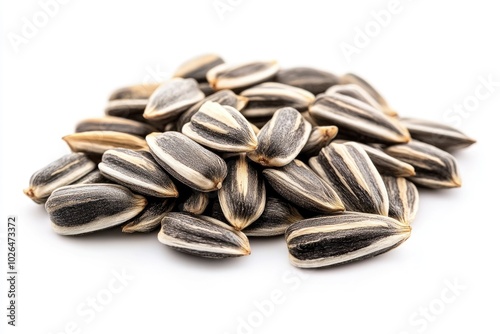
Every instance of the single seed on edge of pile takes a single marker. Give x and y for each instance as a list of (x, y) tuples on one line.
[(229, 76), (98, 142)]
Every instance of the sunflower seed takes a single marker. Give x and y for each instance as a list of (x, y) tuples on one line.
[(206, 88), (319, 138), (356, 92), (277, 216), (172, 98), (281, 139), (307, 117), (440, 135), (352, 174), (202, 236), (222, 128), (92, 177), (61, 172), (98, 142), (351, 78), (342, 238), (403, 199), (227, 76), (266, 98), (187, 161), (150, 218), (137, 171), (297, 183), (310, 79), (224, 97), (117, 124), (243, 194), (127, 108), (141, 91), (84, 208), (198, 67), (356, 119), (196, 203), (434, 168)]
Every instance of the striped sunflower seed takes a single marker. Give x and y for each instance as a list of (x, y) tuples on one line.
[(137, 171), (434, 168), (98, 142), (92, 177), (342, 238), (243, 194), (61, 172), (224, 97), (356, 119), (202, 236), (196, 203), (198, 67), (135, 92), (356, 92), (277, 216), (222, 128), (297, 183), (117, 124), (281, 139), (84, 208), (187, 161), (172, 98), (349, 170), (266, 98), (440, 135), (127, 108), (319, 138), (150, 218), (351, 78), (227, 76), (206, 88), (403, 199), (310, 79)]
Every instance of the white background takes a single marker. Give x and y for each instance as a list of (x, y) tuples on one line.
[(428, 58)]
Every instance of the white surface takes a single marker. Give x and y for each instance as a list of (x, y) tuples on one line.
[(428, 58)]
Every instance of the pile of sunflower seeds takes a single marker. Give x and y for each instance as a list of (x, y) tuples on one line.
[(225, 151)]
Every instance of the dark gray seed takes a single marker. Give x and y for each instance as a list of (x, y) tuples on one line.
[(342, 238), (84, 208), (137, 171), (150, 218), (319, 138), (281, 139), (127, 108), (356, 92), (202, 236), (206, 88), (187, 161), (196, 203), (227, 76), (434, 168), (403, 199), (98, 142), (310, 79), (135, 92), (198, 67), (117, 124)]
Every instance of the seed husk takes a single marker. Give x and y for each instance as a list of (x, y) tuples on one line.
[(224, 97), (187, 161), (319, 138), (342, 238), (356, 92), (403, 199), (281, 139), (235, 76), (206, 88), (150, 218), (349, 170), (351, 78), (98, 142), (64, 171), (222, 128), (358, 120), (118, 124), (198, 67), (437, 134), (202, 236), (137, 171), (83, 208), (196, 203), (92, 177), (277, 216), (243, 193), (134, 92), (310, 79), (127, 108), (266, 98), (297, 183), (434, 168), (172, 98)]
